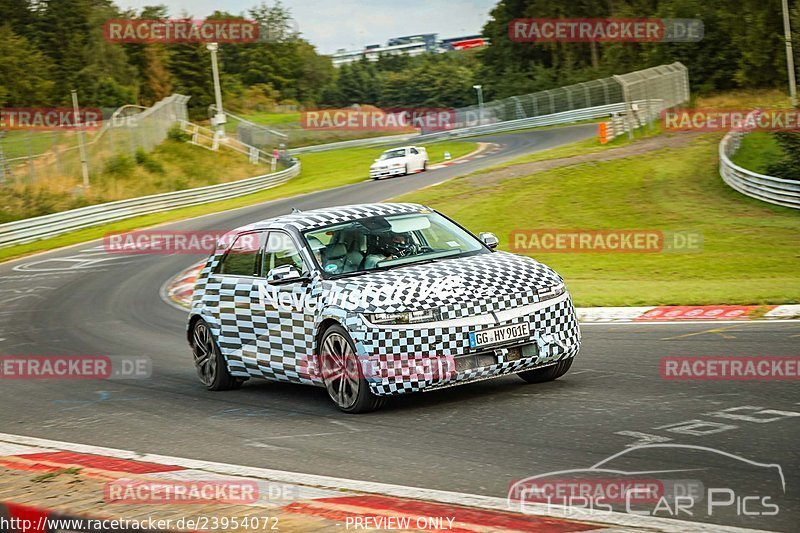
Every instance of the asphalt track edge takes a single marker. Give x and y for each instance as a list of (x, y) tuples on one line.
[(608, 519)]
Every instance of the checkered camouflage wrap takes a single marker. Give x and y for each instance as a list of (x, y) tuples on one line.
[(483, 291)]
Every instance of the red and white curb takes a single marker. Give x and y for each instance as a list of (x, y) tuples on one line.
[(484, 149), (179, 291), (333, 498), (683, 313)]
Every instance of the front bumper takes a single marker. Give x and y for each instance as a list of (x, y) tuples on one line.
[(398, 360), (386, 172)]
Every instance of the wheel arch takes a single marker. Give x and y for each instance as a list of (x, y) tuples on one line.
[(193, 320), (321, 329)]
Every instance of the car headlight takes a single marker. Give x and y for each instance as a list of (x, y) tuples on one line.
[(409, 317), (552, 292)]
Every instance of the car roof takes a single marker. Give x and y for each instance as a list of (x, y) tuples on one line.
[(317, 218), (401, 148)]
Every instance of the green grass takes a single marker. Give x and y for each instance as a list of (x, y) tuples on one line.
[(271, 119), (320, 171), (289, 124), (750, 252), (586, 146), (264, 118), (24, 143), (758, 151), (172, 166)]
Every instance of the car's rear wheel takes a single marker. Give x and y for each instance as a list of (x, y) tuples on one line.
[(208, 360), (424, 166), (342, 374), (406, 173), (549, 373)]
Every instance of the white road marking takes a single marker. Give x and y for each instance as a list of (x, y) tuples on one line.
[(664, 525)]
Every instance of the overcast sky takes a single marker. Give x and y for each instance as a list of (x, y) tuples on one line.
[(333, 24)]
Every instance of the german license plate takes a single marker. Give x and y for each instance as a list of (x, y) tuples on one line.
[(489, 336)]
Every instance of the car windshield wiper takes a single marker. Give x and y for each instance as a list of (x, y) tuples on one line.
[(412, 263), (352, 274)]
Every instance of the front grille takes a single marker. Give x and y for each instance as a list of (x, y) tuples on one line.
[(468, 362), (520, 352), (514, 353)]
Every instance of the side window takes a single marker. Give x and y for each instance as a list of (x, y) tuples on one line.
[(281, 250), (244, 257), (414, 151)]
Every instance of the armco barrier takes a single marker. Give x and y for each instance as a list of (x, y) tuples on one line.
[(33, 229), (564, 117), (765, 188), (355, 143)]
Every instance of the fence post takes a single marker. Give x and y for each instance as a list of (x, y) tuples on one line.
[(31, 170), (57, 153), (628, 107), (2, 159)]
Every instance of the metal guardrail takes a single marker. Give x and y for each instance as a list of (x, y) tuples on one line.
[(355, 143), (665, 86), (33, 229), (770, 189), (564, 117), (208, 138), (649, 109)]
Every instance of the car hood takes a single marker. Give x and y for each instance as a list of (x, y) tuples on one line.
[(457, 287), (389, 162)]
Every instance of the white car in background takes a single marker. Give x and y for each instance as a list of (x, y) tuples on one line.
[(399, 162)]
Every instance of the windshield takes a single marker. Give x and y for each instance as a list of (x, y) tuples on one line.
[(383, 242), (391, 154)]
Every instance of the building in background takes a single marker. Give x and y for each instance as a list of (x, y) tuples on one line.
[(411, 45), (463, 43)]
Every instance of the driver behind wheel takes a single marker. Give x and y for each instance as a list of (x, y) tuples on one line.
[(397, 245)]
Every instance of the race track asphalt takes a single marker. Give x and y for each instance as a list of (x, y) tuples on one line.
[(477, 438)]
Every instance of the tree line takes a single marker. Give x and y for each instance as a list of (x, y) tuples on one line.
[(48, 47)]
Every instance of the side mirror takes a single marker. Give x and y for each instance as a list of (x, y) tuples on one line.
[(489, 239), (284, 274)]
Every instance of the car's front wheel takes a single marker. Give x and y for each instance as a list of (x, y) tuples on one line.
[(549, 373), (342, 373), (208, 360)]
